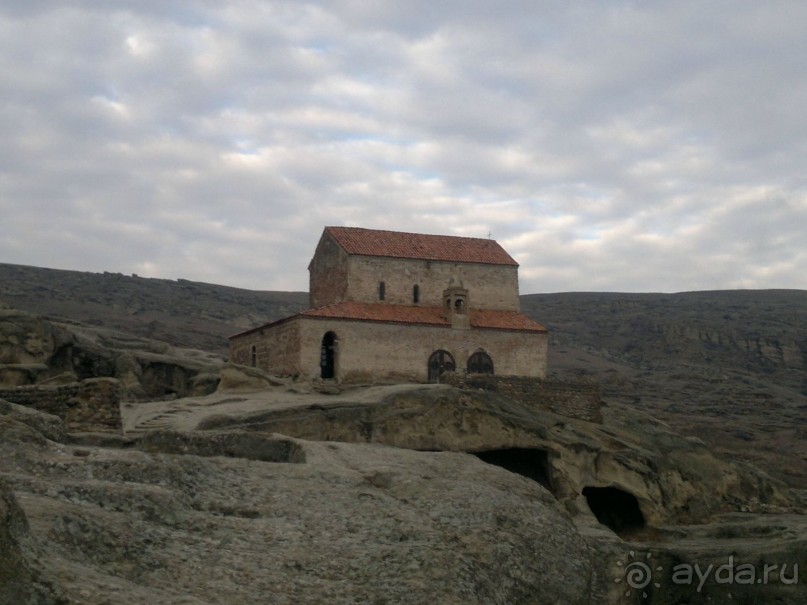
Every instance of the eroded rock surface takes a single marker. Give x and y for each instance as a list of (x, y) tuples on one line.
[(690, 506), (37, 351), (673, 478), (234, 516), (175, 518)]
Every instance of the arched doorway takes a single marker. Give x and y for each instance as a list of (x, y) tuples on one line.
[(439, 362), (327, 356), (480, 363)]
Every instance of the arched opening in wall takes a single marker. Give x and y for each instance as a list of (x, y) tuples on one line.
[(440, 361), (327, 356), (480, 363), (532, 463), (382, 290), (254, 357), (459, 306), (164, 379), (416, 294), (615, 508)]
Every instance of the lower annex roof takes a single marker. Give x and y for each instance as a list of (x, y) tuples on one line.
[(485, 319)]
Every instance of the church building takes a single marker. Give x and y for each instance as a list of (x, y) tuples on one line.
[(392, 306)]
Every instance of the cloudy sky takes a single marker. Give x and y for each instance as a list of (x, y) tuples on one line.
[(608, 145)]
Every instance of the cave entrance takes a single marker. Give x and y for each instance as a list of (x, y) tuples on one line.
[(615, 508), (532, 463)]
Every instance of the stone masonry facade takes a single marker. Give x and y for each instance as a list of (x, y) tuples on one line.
[(391, 306), (369, 351), (496, 287)]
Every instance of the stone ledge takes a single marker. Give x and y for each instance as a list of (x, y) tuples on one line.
[(578, 400)]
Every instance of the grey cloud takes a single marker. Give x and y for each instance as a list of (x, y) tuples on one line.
[(613, 146)]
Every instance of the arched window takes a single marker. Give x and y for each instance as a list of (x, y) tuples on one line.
[(459, 306), (415, 294), (382, 290), (480, 363), (254, 357), (439, 362)]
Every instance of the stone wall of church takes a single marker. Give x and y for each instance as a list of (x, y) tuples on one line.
[(489, 286), (372, 351), (327, 274), (276, 348), (334, 276)]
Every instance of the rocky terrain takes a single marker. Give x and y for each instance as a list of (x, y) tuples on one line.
[(727, 367), (400, 494), (37, 351), (222, 484), (295, 522)]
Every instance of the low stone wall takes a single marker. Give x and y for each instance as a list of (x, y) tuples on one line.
[(90, 405), (573, 399)]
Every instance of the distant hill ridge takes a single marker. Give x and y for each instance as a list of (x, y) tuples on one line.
[(182, 312), (762, 331)]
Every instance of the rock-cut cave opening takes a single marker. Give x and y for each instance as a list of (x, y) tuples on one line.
[(615, 508), (532, 463)]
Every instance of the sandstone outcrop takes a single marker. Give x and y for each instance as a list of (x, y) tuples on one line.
[(243, 379), (725, 366), (324, 522), (672, 478), (37, 351), (227, 515)]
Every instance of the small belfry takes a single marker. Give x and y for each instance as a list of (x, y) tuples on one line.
[(394, 306), (455, 299)]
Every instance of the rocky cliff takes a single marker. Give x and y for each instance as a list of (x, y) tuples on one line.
[(727, 367), (36, 351)]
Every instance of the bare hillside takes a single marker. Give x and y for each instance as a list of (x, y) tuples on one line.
[(182, 313), (727, 366)]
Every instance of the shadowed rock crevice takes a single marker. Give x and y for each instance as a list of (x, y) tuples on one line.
[(615, 508), (532, 463)]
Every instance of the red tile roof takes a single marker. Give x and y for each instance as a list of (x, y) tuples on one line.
[(396, 244), (433, 316)]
